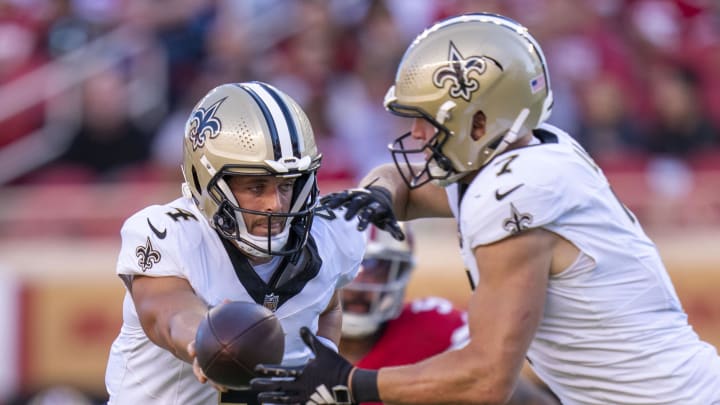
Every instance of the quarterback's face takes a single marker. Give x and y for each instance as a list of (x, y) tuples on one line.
[(421, 129), (262, 193)]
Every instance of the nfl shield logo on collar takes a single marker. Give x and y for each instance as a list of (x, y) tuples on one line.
[(271, 301)]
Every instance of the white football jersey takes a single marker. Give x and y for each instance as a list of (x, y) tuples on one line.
[(613, 330), (175, 240)]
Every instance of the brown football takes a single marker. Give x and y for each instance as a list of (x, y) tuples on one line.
[(233, 338)]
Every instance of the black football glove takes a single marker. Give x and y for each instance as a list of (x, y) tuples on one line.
[(371, 205), (324, 379)]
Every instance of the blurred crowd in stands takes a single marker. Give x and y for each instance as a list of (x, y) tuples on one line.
[(633, 79)]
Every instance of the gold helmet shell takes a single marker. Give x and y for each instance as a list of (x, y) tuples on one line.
[(461, 66), (250, 129)]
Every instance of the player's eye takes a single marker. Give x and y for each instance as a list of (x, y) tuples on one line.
[(287, 186)]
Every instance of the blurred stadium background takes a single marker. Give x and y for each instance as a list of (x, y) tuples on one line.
[(94, 94)]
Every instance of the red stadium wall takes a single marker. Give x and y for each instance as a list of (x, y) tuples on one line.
[(67, 330)]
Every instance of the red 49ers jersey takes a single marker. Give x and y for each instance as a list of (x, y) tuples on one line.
[(425, 327)]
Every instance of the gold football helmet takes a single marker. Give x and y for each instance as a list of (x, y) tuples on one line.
[(251, 129), (456, 68), (377, 293)]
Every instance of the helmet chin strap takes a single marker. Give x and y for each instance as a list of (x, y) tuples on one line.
[(443, 166), (303, 194), (512, 135), (453, 178), (277, 242), (185, 188)]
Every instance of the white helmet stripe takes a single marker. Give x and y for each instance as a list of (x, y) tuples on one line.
[(290, 117), (285, 131)]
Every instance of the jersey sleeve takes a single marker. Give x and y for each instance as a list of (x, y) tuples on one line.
[(150, 245), (512, 204)]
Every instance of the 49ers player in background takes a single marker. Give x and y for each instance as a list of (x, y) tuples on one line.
[(380, 329)]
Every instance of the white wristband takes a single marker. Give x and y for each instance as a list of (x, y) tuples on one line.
[(328, 343)]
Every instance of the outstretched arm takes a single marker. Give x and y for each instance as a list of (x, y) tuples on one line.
[(504, 312), (426, 201), (384, 197), (169, 312)]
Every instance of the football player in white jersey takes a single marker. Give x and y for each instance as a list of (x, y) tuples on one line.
[(246, 228), (562, 272)]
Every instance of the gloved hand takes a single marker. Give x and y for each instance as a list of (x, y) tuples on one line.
[(326, 379), (371, 204)]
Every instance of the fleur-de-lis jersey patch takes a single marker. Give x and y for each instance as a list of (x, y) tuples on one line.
[(458, 71), (147, 256), (517, 221)]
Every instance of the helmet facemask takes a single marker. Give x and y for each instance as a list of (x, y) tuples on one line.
[(377, 293), (230, 223), (387, 291), (437, 168)]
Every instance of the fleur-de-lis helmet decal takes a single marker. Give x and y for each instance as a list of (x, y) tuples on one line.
[(459, 73), (204, 125)]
